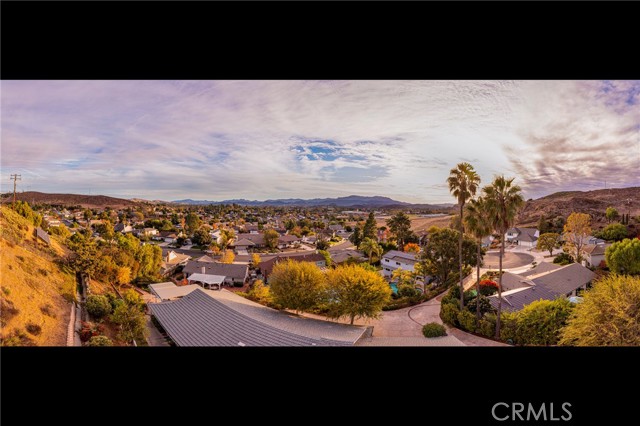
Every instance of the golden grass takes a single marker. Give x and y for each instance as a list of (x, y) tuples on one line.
[(36, 291)]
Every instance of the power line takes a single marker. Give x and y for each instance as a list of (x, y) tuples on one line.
[(15, 178)]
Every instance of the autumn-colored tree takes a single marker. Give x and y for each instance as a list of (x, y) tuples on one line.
[(411, 248), (123, 275), (608, 314), (623, 257), (371, 248), (576, 231), (355, 292), (297, 285), (150, 258), (463, 183), (260, 293), (271, 238), (255, 260), (548, 242), (504, 200), (227, 256)]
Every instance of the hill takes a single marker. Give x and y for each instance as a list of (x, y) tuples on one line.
[(90, 201), (594, 203), (36, 291)]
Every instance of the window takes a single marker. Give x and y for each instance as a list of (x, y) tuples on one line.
[(386, 260), (397, 263)]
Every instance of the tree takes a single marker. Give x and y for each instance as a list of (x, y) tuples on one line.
[(623, 257), (412, 248), (478, 224), (356, 237), (123, 275), (504, 200), (150, 258), (355, 292), (131, 320), (369, 229), (260, 293), (440, 255), (99, 341), (576, 231), (400, 226), (548, 241), (326, 255), (255, 260), (88, 215), (371, 248), (297, 285), (541, 322), (271, 238), (403, 277), (192, 222), (543, 225), (608, 314), (202, 237), (106, 231), (463, 183), (226, 236), (98, 306), (611, 214), (227, 256), (614, 232)]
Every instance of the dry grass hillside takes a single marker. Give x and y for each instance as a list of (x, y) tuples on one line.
[(36, 291), (90, 201)]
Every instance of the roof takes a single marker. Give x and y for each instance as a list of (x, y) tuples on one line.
[(540, 268), (257, 239), (518, 298), (229, 270), (221, 318), (169, 291), (566, 279), (207, 278), (267, 266), (344, 255), (513, 281), (288, 238), (526, 234), (205, 258), (40, 233), (595, 249), (400, 255), (244, 242)]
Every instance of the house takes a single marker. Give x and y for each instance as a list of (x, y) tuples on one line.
[(285, 241), (266, 267), (171, 260), (233, 273), (594, 254), (342, 256), (243, 245), (542, 282), (251, 229), (591, 240), (168, 236), (256, 239), (395, 259), (526, 237), (41, 235), (123, 228)]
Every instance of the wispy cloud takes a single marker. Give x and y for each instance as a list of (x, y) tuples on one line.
[(266, 139)]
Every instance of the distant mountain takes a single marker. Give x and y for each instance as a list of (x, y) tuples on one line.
[(91, 201), (351, 201)]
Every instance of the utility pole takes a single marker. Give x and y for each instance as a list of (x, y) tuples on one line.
[(15, 178)]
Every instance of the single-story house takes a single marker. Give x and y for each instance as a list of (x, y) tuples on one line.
[(251, 229), (123, 228), (171, 260), (266, 267), (527, 237), (243, 244), (395, 259), (345, 255), (233, 273), (285, 241), (256, 239), (594, 254), (169, 236)]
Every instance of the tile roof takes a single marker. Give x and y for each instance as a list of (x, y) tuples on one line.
[(221, 318)]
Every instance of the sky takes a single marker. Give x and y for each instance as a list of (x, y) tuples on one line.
[(220, 140)]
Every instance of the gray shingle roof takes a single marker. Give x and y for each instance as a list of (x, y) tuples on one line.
[(566, 279), (541, 268), (395, 254), (515, 300), (40, 233), (200, 319)]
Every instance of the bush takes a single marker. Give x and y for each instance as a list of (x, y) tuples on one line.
[(33, 328), (449, 313), (563, 259), (89, 330), (406, 290), (467, 320), (98, 306), (488, 287), (485, 305), (48, 310), (99, 341), (508, 327), (433, 329), (487, 326)]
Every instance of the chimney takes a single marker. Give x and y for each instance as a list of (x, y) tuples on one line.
[(203, 269)]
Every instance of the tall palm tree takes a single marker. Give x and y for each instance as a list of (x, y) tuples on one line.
[(503, 202), (371, 247), (477, 222), (463, 183)]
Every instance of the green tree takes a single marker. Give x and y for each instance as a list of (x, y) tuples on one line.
[(400, 226), (608, 314), (297, 285), (356, 236), (99, 341), (327, 256), (440, 255), (611, 214), (504, 200), (226, 236), (623, 257), (355, 292), (403, 277), (150, 258), (369, 229), (131, 320), (478, 224), (576, 231), (192, 222), (271, 238), (548, 241), (540, 322), (371, 248), (61, 231), (201, 237), (463, 183), (543, 225), (98, 306), (614, 232)]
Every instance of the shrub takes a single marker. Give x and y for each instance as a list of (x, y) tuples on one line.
[(449, 313), (238, 284), (33, 328), (508, 327), (487, 326), (467, 320), (6, 291), (405, 290), (563, 259), (98, 306), (433, 329), (89, 330), (20, 258), (485, 305), (43, 272), (99, 341), (47, 310), (488, 287), (540, 322)]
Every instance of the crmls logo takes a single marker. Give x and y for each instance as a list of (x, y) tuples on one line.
[(502, 411)]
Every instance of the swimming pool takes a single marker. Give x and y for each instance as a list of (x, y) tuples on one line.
[(394, 287)]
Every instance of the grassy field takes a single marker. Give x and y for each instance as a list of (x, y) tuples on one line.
[(36, 291)]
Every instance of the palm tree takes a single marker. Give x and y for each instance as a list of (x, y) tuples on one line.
[(463, 183), (503, 201), (478, 224), (370, 247)]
